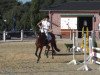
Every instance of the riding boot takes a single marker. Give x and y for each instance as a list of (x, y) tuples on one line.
[(46, 41)]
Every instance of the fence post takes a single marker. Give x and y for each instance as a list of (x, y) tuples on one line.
[(73, 61), (70, 34), (84, 67), (90, 49), (76, 38), (93, 37), (93, 34), (4, 36), (21, 35)]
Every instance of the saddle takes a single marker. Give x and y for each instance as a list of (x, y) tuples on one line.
[(46, 40), (44, 37)]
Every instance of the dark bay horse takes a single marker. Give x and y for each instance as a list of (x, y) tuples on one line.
[(41, 42)]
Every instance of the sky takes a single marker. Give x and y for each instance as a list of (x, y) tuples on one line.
[(24, 1)]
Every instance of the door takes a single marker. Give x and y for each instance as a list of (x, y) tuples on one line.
[(81, 24)]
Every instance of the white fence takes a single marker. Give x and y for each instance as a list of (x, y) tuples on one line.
[(78, 34), (96, 55), (17, 35), (22, 35)]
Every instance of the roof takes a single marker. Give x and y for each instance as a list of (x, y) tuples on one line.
[(74, 6)]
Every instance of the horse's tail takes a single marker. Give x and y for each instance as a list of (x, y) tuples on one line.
[(54, 42), (55, 47)]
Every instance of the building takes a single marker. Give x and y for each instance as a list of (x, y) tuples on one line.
[(71, 16)]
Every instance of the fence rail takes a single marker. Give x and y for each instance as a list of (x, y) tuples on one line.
[(29, 35), (95, 33), (17, 35)]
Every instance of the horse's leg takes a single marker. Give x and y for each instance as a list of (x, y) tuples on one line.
[(36, 51), (46, 51), (39, 54), (53, 51), (48, 47)]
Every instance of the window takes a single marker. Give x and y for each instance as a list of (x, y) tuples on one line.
[(68, 22)]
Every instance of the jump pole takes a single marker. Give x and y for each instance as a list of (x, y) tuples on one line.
[(73, 61), (84, 67), (89, 58)]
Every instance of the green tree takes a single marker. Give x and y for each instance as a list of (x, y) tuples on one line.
[(46, 3), (5, 11), (6, 5), (19, 11), (23, 17), (59, 1), (34, 10)]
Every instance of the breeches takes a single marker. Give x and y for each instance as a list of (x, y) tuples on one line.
[(47, 34)]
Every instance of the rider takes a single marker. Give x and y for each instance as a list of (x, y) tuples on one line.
[(45, 27)]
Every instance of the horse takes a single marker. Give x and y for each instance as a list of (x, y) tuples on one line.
[(41, 41)]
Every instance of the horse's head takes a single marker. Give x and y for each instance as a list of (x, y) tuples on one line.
[(41, 35)]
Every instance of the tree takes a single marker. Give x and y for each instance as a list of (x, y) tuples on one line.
[(34, 10), (59, 1), (6, 5), (46, 3), (5, 10), (23, 17), (18, 16)]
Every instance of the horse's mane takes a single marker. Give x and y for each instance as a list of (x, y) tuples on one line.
[(41, 35), (41, 38)]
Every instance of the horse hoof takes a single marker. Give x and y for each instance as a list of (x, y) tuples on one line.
[(52, 57), (58, 50), (36, 54), (37, 61), (47, 56), (54, 52)]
